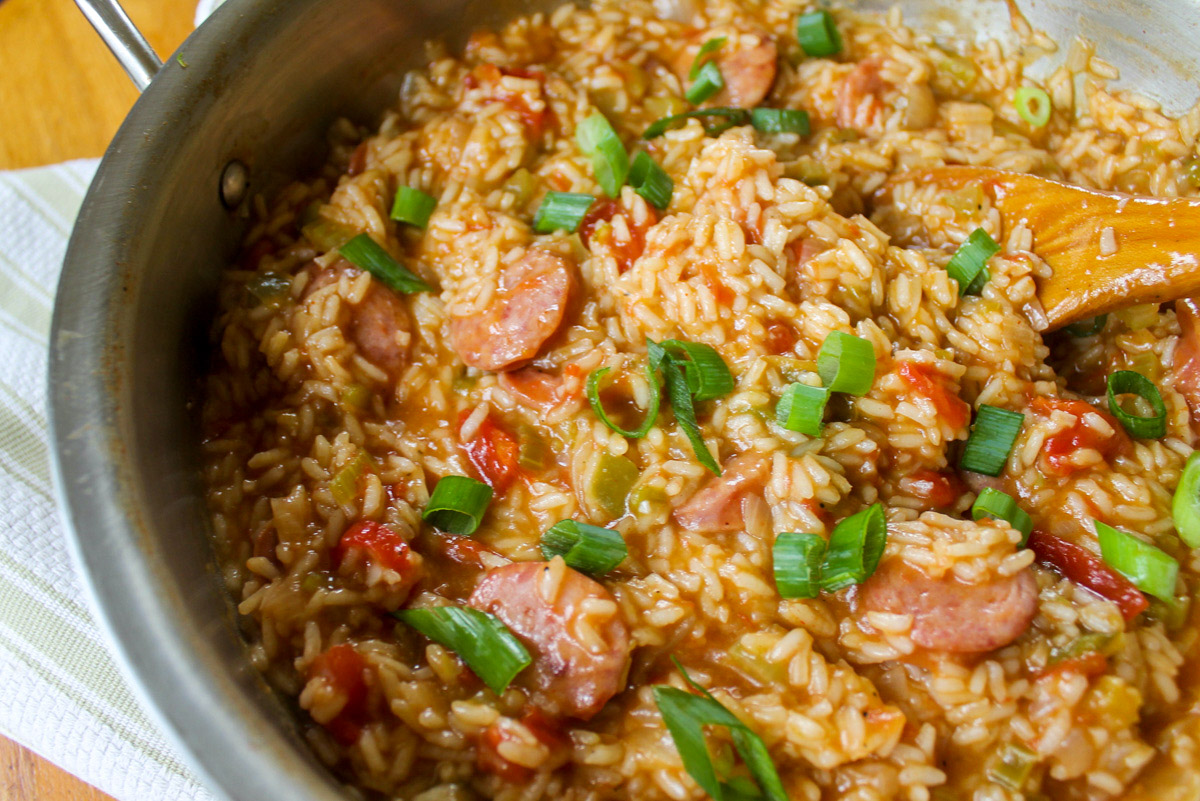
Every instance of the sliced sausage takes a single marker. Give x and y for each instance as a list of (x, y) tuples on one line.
[(527, 309), (749, 74), (717, 507), (378, 325), (542, 391), (949, 615), (572, 628)]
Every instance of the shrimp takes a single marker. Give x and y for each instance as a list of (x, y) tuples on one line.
[(864, 83), (717, 506), (545, 392), (528, 308), (572, 628), (949, 615)]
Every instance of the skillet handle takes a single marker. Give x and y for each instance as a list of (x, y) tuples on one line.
[(126, 42)]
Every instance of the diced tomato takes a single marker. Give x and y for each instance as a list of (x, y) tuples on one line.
[(926, 380), (380, 543), (342, 668), (490, 75), (1060, 447), (462, 550), (358, 160), (493, 452), (596, 226), (781, 337), (1088, 570), (723, 294), (1090, 664), (938, 490), (541, 727)]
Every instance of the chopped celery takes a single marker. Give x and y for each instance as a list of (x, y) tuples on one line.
[(954, 73), (355, 396), (344, 485), (312, 582), (1083, 644), (610, 483), (646, 494), (532, 449), (327, 235), (1147, 363), (1173, 616), (270, 289), (966, 201), (1011, 765), (1115, 702), (756, 666), (520, 185), (659, 107), (808, 170), (1135, 318), (1191, 171)]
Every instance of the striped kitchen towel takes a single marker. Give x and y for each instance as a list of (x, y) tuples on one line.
[(63, 696)]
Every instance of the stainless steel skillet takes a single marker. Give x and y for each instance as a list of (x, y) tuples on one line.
[(263, 80)]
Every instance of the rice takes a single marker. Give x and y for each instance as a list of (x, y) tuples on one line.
[(335, 405)]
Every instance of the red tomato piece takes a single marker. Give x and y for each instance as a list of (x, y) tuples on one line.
[(781, 337), (925, 380), (544, 729), (1088, 570), (493, 452), (1060, 447), (596, 226), (342, 668), (939, 490), (379, 542), (358, 160), (1090, 664)]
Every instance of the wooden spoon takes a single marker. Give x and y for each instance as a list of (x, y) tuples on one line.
[(1157, 240)]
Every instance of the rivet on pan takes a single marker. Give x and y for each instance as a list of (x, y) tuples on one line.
[(235, 178)]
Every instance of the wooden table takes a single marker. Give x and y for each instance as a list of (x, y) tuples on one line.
[(62, 96)]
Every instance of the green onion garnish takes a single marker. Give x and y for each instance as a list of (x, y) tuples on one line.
[(597, 139), (706, 49), (593, 396), (1002, 506), (780, 120), (365, 253), (797, 557), (651, 181), (1033, 104), (413, 206), (1185, 506), (802, 408), (967, 264), (1128, 382), (680, 398), (587, 548), (855, 548), (992, 437), (708, 376), (708, 82), (1152, 571), (846, 363), (818, 34), (491, 651), (731, 117), (457, 504), (1085, 328), (686, 715), (561, 211)]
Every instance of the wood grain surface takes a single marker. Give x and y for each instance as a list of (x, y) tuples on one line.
[(62, 96)]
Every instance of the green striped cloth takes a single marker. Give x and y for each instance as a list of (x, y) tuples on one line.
[(62, 696)]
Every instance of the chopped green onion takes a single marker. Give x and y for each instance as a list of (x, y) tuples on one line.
[(802, 408), (561, 211), (491, 651), (597, 139), (413, 206), (587, 548), (968, 262), (1011, 766), (593, 396), (708, 376), (651, 181), (1085, 328), (992, 437), (680, 397), (731, 116), (797, 558), (686, 715), (365, 253), (1185, 506), (1033, 104), (706, 49), (855, 548), (457, 504), (818, 34), (709, 81), (1128, 382), (846, 363), (780, 120), (1002, 506), (1152, 571)]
